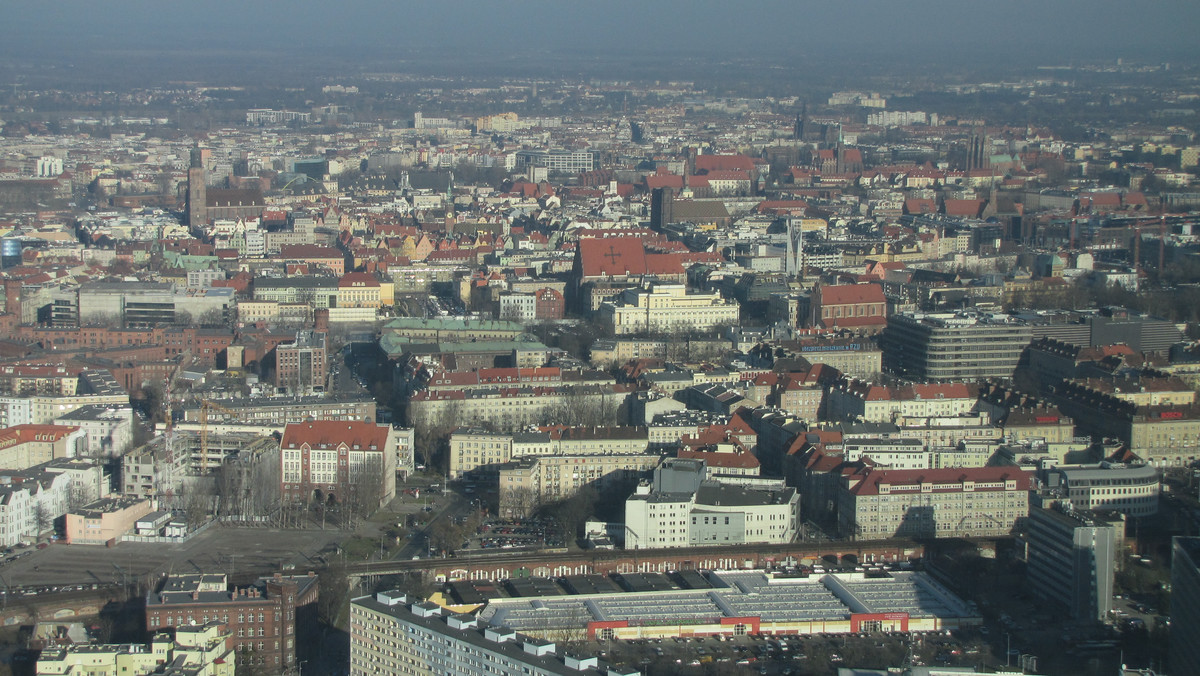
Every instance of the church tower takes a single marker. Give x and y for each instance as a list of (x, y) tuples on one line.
[(197, 207)]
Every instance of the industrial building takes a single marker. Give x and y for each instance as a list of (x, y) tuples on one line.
[(739, 602)]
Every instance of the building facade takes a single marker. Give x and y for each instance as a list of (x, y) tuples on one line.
[(261, 618), (683, 509), (1185, 604), (948, 347), (301, 367), (918, 503), (660, 308), (1131, 490), (1073, 557), (336, 462), (390, 635)]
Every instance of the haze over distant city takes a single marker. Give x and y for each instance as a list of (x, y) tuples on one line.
[(660, 337), (308, 31)]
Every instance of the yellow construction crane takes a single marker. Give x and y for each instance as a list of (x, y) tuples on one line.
[(205, 406)]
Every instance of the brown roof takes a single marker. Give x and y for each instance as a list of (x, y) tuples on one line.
[(331, 433), (847, 294)]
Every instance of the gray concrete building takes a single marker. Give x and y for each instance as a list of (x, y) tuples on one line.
[(1073, 557), (1185, 606), (945, 347)]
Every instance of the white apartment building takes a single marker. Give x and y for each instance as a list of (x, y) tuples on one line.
[(857, 399), (683, 509), (1133, 490), (390, 635), (662, 307), (475, 448), (30, 502), (890, 453), (108, 429), (518, 307)]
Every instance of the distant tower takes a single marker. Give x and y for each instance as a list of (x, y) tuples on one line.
[(978, 153), (450, 195), (197, 208), (662, 206), (794, 254), (838, 150), (801, 119), (405, 186)]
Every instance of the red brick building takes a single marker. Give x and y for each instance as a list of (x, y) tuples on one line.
[(266, 619), (335, 461), (861, 308), (549, 304)]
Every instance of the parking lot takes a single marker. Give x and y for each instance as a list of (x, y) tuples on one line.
[(509, 534)]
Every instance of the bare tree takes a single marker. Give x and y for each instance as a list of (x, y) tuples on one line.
[(582, 406), (196, 499), (212, 317), (518, 502), (364, 495), (43, 518), (78, 496)]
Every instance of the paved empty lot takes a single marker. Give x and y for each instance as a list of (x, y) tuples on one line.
[(220, 549)]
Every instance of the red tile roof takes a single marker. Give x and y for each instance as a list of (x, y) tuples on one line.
[(358, 279), (847, 294), (964, 208), (619, 256), (22, 434), (943, 480), (331, 433)]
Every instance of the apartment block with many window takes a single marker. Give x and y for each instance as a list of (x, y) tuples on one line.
[(874, 504), (389, 635)]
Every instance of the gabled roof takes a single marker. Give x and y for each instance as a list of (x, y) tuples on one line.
[(953, 479), (330, 433), (845, 294), (619, 256)]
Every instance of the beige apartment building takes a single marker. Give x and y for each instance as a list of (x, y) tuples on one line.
[(933, 503), (475, 448), (530, 480), (510, 408), (659, 308)]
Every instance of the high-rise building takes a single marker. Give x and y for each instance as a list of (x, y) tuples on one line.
[(1185, 606), (1073, 557), (954, 346), (197, 199)]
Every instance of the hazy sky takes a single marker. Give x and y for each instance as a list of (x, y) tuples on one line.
[(1047, 30)]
